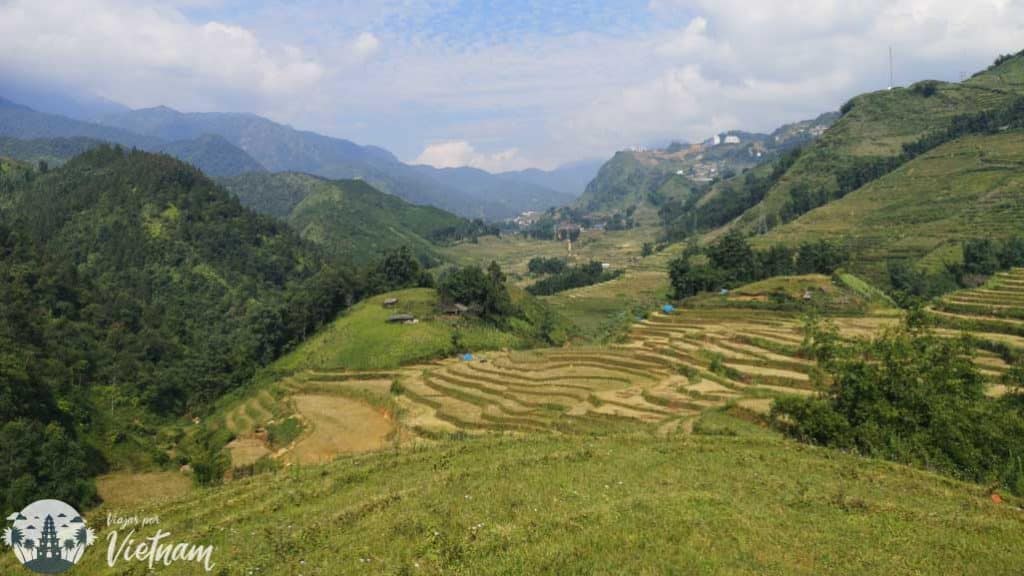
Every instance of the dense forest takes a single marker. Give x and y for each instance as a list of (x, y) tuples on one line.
[(135, 290)]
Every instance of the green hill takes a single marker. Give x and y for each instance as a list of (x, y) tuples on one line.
[(349, 217), (964, 189), (135, 291), (682, 172), (731, 499), (875, 127)]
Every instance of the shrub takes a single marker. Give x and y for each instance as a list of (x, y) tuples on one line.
[(914, 397), (574, 277)]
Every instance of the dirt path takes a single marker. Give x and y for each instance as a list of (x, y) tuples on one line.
[(339, 425)]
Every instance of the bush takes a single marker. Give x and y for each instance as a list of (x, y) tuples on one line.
[(541, 265), (917, 398), (925, 89), (574, 277), (284, 432)]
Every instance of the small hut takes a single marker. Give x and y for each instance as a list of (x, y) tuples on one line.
[(455, 309), (390, 302), (401, 319)]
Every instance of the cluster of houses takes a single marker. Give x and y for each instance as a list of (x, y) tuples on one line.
[(455, 309)]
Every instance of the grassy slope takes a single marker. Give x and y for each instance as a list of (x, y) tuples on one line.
[(742, 503), (361, 339), (960, 190), (881, 122), (347, 216)]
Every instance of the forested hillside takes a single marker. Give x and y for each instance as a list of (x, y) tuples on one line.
[(135, 290), (349, 217)]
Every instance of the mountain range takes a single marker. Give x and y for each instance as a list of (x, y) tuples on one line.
[(465, 191), (230, 144)]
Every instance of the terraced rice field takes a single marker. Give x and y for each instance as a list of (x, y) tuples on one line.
[(669, 370), (993, 314)]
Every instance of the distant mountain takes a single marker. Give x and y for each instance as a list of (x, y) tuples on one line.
[(569, 179), (22, 122), (282, 148), (61, 102), (27, 134), (214, 155), (350, 218), (650, 177), (496, 193)]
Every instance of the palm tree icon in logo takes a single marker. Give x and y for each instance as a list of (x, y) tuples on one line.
[(48, 536)]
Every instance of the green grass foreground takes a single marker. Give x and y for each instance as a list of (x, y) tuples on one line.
[(732, 499)]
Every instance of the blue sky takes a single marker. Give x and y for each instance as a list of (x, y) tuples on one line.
[(500, 85)]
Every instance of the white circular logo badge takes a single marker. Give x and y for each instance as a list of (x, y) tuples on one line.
[(48, 536)]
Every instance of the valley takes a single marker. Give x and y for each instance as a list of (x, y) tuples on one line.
[(797, 351)]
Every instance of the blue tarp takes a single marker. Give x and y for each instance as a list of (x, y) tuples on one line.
[(467, 357), (668, 308)]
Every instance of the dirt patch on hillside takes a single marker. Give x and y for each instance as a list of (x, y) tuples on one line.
[(122, 489), (246, 451), (339, 426)]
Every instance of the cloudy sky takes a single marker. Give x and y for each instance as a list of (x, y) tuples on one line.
[(501, 84)]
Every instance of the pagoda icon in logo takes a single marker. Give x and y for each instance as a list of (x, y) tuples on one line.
[(48, 536)]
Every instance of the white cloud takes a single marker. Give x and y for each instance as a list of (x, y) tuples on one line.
[(698, 67), (365, 45), (457, 153), (140, 54)]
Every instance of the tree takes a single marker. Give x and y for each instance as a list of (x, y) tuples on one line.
[(486, 293), (688, 280), (734, 257), (778, 260), (647, 249), (398, 269), (981, 257)]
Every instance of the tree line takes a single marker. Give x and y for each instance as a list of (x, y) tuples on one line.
[(982, 257), (731, 261), (571, 277)]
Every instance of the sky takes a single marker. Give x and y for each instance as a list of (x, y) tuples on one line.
[(501, 85)]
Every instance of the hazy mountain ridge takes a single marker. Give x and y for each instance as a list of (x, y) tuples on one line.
[(570, 179), (58, 138), (464, 191)]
